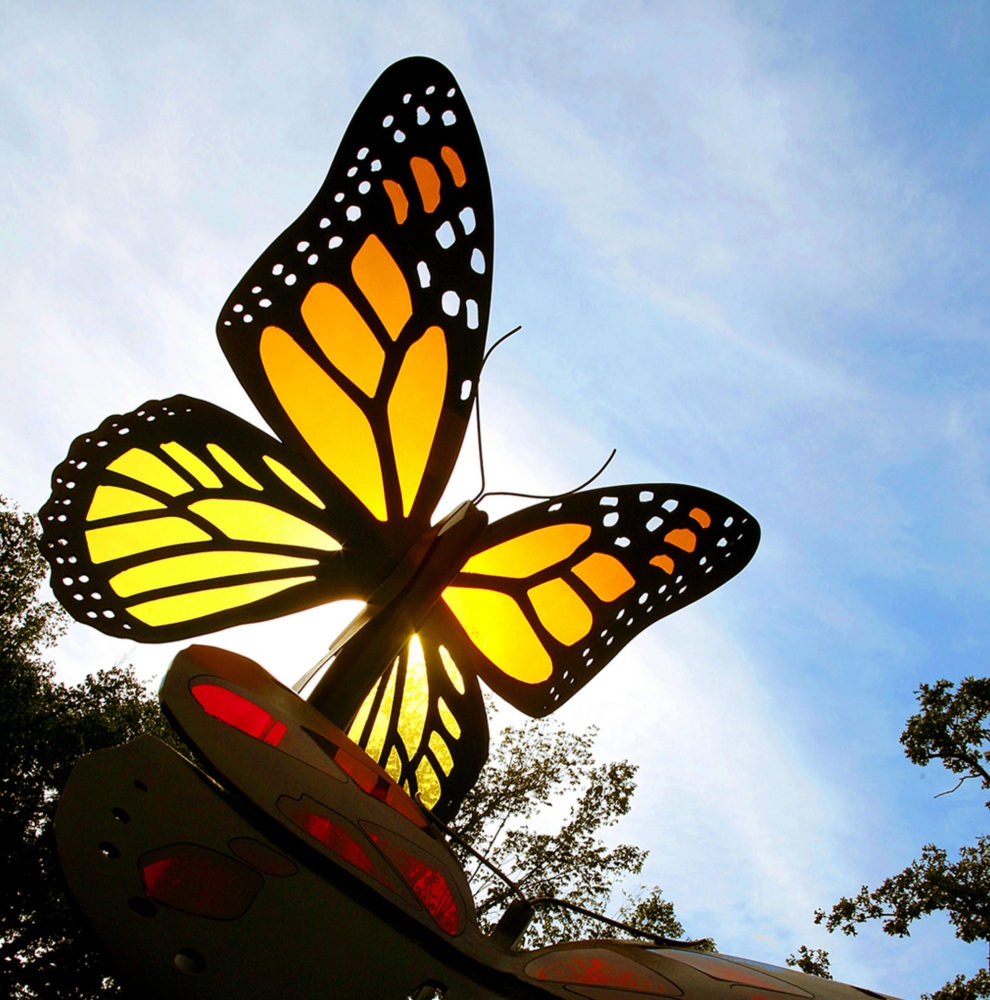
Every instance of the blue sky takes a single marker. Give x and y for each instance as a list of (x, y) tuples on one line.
[(748, 244)]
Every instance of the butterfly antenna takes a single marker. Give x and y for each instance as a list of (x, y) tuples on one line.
[(552, 496), (502, 339), (477, 411)]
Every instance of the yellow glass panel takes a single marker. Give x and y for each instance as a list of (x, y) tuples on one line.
[(415, 698), (149, 469), (194, 566), (452, 672), (109, 501), (682, 538), (232, 466), (701, 516), (381, 281), (293, 482), (663, 562), (428, 182), (496, 625), (414, 409), (195, 466), (357, 726), (332, 424), (447, 717), (189, 607), (454, 165), (563, 614), (393, 766), (427, 784), (527, 554), (605, 575), (376, 741), (400, 203), (343, 336), (442, 752), (118, 540), (253, 521)]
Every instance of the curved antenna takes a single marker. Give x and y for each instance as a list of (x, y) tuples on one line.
[(477, 408), (504, 337), (552, 496)]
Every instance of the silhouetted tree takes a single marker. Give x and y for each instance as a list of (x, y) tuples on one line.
[(953, 728)]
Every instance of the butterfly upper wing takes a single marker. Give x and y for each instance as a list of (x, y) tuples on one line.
[(180, 518), (359, 333), (425, 723), (554, 591)]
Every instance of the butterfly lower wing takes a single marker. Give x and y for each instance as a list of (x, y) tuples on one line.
[(556, 590), (180, 518), (359, 333), (425, 723)]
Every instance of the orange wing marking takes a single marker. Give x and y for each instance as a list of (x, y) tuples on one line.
[(343, 336), (400, 203), (454, 165), (380, 280), (663, 562), (607, 578), (428, 182), (414, 410), (563, 614), (527, 554), (345, 444), (682, 538), (496, 625), (701, 516)]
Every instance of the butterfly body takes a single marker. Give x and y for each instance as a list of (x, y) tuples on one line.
[(393, 613), (359, 335)]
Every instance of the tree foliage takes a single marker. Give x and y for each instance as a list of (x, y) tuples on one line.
[(952, 727), (516, 816), (46, 726), (814, 961)]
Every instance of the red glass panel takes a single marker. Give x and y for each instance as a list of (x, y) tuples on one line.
[(199, 880), (599, 967), (427, 882), (239, 712)]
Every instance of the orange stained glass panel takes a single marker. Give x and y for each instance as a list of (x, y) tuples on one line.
[(148, 469), (118, 540), (343, 336), (110, 501), (253, 521), (605, 575), (200, 603), (663, 562), (701, 516), (529, 553), (332, 424), (382, 284), (428, 182), (563, 614), (682, 538), (454, 165), (400, 203), (497, 626), (414, 410)]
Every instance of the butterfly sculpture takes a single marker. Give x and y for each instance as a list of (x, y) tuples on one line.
[(359, 335)]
